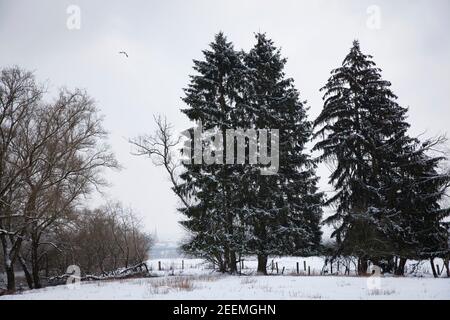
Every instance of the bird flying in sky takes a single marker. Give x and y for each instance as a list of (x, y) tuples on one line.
[(123, 52)]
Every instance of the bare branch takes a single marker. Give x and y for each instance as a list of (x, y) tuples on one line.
[(161, 148)]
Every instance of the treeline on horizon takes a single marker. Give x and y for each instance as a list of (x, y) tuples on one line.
[(389, 187)]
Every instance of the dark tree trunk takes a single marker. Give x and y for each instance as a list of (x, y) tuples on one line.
[(362, 266), (447, 267), (433, 268), (396, 265), (8, 265), (222, 267), (226, 260), (46, 266), (10, 278), (35, 266), (262, 264), (400, 269), (25, 269), (220, 263), (233, 262), (390, 266)]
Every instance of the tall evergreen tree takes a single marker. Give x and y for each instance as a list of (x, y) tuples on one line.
[(238, 210), (282, 211), (211, 96), (414, 193), (386, 186), (360, 124)]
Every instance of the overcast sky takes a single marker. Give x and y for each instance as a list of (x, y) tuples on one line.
[(410, 44)]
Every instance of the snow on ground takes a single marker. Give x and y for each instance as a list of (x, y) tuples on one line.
[(197, 280), (217, 287)]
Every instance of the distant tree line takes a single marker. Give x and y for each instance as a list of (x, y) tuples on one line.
[(99, 241), (52, 154), (388, 186)]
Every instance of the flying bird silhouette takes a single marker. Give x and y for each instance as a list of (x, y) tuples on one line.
[(123, 52)]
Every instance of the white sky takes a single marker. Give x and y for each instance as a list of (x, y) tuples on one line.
[(162, 37)]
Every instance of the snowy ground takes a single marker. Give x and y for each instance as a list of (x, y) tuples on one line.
[(198, 281)]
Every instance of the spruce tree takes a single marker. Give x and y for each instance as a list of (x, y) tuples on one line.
[(414, 194), (210, 97), (388, 188), (360, 126), (282, 211), (237, 209)]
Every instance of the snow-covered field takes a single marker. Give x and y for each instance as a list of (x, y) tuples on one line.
[(197, 280)]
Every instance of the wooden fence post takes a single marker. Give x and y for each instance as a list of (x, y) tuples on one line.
[(298, 268), (304, 265), (309, 270), (159, 265)]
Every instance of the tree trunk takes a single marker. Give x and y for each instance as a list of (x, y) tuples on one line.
[(262, 264), (233, 262), (433, 268), (396, 266), (220, 263), (391, 266), (447, 267), (35, 265), (226, 259), (362, 267), (46, 266), (222, 267), (400, 269), (28, 276), (10, 278), (8, 265)]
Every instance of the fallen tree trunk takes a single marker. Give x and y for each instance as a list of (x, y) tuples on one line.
[(140, 269)]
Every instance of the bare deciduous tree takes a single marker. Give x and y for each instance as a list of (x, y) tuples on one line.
[(65, 168), (51, 155), (101, 240), (162, 148), (19, 94)]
